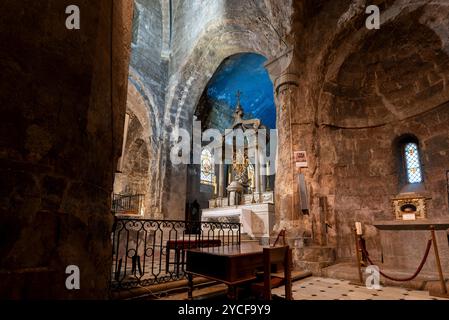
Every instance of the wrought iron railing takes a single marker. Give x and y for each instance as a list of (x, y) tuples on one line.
[(147, 252), (127, 203)]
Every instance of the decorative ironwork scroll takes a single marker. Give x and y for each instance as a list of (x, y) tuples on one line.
[(147, 252)]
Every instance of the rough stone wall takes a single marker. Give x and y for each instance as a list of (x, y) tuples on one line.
[(146, 57), (190, 19), (365, 89), (146, 100), (140, 163), (366, 173), (60, 138)]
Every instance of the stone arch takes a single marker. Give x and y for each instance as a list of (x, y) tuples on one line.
[(218, 41), (218, 113), (141, 156), (137, 156), (186, 87), (146, 108)]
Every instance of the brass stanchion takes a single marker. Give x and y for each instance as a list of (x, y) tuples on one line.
[(444, 292), (357, 249)]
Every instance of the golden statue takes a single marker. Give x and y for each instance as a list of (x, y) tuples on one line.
[(240, 167)]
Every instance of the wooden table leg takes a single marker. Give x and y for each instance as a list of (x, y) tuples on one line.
[(232, 292), (190, 284)]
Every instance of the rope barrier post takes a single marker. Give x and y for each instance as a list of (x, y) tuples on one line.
[(357, 249), (438, 262)]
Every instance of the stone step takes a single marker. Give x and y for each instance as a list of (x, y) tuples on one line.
[(296, 274), (316, 254), (314, 267), (249, 241), (314, 258), (152, 291)]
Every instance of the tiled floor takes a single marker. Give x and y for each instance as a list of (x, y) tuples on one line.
[(316, 288)]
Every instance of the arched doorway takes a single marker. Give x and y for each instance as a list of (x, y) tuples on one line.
[(242, 80)]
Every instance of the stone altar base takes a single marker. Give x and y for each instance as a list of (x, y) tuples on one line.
[(403, 243), (257, 219)]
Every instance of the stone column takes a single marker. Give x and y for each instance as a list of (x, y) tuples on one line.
[(285, 193), (296, 132), (221, 182), (267, 184), (264, 178), (58, 163), (285, 76), (257, 171)]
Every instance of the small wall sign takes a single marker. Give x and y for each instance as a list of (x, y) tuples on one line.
[(300, 159), (409, 217)]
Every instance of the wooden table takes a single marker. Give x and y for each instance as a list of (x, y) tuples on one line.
[(232, 265), (180, 246)]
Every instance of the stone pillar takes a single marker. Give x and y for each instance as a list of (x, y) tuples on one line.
[(267, 184), (285, 75), (264, 178), (257, 171), (65, 121), (296, 127), (221, 180), (286, 90)]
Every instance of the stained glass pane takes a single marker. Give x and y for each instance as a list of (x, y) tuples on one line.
[(412, 163), (207, 167)]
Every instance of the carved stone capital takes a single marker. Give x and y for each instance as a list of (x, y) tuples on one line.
[(283, 70), (286, 79)]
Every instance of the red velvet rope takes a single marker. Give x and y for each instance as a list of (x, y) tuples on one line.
[(423, 261)]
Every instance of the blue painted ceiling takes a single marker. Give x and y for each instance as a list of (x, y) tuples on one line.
[(245, 73)]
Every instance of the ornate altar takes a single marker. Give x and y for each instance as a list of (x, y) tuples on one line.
[(246, 183), (406, 230), (409, 206), (249, 195)]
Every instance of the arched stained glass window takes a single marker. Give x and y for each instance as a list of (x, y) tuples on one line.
[(412, 163), (207, 168)]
